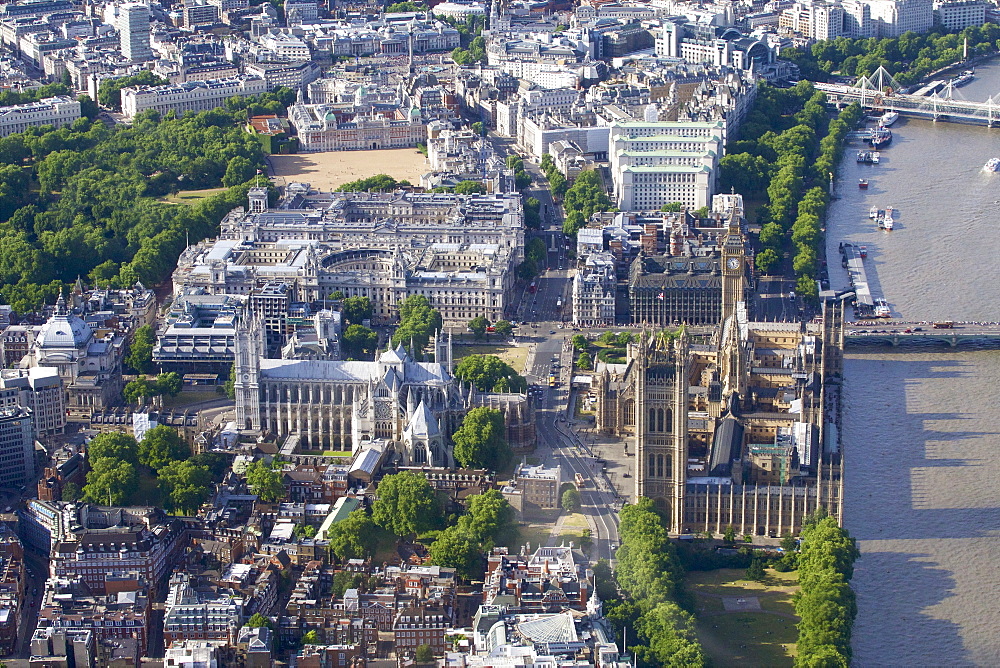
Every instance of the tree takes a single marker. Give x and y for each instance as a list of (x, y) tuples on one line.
[(185, 485), (478, 326), (767, 261), (140, 354), (71, 492), (481, 440), (489, 373), (478, 128), (169, 383), (417, 322), (503, 328), (162, 445), (489, 515), (755, 571), (789, 543), (580, 342), (113, 445), (584, 361), (257, 621), (239, 170), (359, 342), (354, 537), (305, 530), (136, 390), (729, 535), (672, 207), (109, 93), (337, 295), (356, 309), (265, 481), (469, 187), (406, 504), (229, 387), (110, 481), (457, 548), (311, 638), (570, 501), (424, 654)]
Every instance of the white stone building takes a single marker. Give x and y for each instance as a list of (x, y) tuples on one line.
[(57, 111), (191, 96), (594, 292), (959, 14), (459, 251), (89, 361), (654, 163), (323, 127)]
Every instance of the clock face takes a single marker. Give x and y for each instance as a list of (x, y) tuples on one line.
[(733, 263)]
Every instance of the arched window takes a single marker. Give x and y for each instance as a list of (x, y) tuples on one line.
[(651, 469), (668, 424)]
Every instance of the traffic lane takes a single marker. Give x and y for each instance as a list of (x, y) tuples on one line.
[(592, 505)]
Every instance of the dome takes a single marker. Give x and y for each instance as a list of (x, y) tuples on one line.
[(64, 331)]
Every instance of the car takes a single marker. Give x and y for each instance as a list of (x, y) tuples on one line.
[(34, 592), (552, 331), (559, 326)]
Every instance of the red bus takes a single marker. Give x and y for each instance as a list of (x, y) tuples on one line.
[(532, 287)]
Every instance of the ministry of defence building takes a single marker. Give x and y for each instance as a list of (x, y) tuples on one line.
[(459, 251)]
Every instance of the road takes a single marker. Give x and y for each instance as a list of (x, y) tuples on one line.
[(557, 444)]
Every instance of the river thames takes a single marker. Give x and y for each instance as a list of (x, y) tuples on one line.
[(922, 431)]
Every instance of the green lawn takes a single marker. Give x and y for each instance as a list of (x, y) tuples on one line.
[(748, 639), (745, 638), (516, 356), (191, 196), (187, 397)]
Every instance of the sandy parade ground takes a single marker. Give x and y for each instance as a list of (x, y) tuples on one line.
[(328, 170)]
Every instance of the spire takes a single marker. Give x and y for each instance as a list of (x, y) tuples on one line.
[(61, 303)]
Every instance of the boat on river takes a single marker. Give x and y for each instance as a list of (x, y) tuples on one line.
[(863, 184), (888, 118), (880, 137), (992, 165), (873, 213)]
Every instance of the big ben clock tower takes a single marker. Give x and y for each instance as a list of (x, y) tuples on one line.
[(733, 267)]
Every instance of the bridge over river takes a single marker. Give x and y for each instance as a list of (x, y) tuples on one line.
[(881, 92), (921, 335)]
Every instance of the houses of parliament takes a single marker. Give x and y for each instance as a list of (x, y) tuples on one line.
[(735, 424)]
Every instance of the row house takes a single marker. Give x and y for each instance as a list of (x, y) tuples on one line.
[(122, 613), (97, 554), (209, 614)]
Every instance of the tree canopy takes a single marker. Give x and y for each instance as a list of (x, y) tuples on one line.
[(417, 323), (97, 210), (481, 441), (356, 309), (162, 445), (489, 373), (185, 485), (406, 504), (354, 537), (266, 481), (140, 354)]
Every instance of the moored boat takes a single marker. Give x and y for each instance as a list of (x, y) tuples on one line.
[(880, 137), (888, 118), (876, 156), (873, 212)]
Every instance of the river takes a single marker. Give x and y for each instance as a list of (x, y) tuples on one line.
[(922, 431)]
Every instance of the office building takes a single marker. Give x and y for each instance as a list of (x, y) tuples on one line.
[(133, 30), (39, 389), (17, 447)]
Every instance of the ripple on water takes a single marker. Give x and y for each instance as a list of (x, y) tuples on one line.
[(921, 432)]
